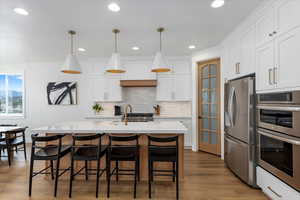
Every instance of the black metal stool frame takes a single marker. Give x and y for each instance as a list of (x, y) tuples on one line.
[(151, 159), (43, 139), (101, 151), (116, 171)]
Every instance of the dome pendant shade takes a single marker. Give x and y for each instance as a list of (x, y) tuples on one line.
[(114, 64), (71, 65), (160, 64)]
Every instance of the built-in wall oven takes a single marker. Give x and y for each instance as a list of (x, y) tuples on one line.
[(278, 118)]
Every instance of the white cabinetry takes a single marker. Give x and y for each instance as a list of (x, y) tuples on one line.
[(234, 57), (165, 89), (287, 70), (247, 55), (287, 15), (105, 88), (174, 87), (265, 27), (138, 70), (265, 64), (278, 40), (274, 188), (182, 86)]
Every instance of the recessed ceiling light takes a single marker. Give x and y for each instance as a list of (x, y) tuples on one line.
[(21, 11), (217, 3), (114, 7), (81, 49), (192, 47), (135, 48)]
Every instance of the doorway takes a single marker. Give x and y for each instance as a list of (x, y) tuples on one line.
[(209, 102)]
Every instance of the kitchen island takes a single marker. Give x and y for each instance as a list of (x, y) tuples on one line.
[(159, 129)]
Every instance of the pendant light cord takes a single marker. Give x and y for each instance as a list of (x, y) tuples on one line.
[(116, 42), (160, 41), (72, 48)]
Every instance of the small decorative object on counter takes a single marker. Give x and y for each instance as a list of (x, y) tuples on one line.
[(97, 108), (157, 109)]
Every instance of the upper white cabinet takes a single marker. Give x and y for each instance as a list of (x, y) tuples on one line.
[(277, 60), (265, 27), (234, 57), (287, 48), (247, 52), (138, 70), (97, 87), (182, 86), (180, 67), (105, 88), (287, 15), (265, 64), (165, 88), (174, 87)]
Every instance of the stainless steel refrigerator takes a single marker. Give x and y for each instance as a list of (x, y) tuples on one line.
[(240, 128)]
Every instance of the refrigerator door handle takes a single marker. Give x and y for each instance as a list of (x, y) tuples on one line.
[(234, 107), (230, 105)]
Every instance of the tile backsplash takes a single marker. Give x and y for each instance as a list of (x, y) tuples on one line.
[(143, 99)]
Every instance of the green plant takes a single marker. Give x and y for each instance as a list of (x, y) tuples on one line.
[(97, 108)]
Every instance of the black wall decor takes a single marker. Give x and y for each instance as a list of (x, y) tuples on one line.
[(62, 93)]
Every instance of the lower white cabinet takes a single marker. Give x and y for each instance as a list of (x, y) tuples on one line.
[(274, 188)]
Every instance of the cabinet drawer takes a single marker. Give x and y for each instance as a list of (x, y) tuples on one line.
[(275, 188)]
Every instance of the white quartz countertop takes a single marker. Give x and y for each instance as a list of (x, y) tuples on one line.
[(89, 126)]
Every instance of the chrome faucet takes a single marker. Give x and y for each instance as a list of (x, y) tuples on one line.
[(126, 113)]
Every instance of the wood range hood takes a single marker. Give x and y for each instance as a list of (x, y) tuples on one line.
[(138, 83)]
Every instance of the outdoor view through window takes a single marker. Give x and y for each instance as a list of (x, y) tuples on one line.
[(11, 94)]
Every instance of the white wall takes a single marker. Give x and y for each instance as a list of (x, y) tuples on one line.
[(211, 53), (37, 75)]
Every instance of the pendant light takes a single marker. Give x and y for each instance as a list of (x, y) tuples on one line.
[(159, 63), (114, 64), (71, 65)]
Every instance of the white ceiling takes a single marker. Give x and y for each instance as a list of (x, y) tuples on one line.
[(42, 34)]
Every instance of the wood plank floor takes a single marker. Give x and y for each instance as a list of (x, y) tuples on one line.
[(206, 178)]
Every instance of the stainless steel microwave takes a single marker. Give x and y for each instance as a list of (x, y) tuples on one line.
[(280, 118), (279, 154), (279, 98)]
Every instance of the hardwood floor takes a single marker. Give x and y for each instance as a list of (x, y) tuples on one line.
[(206, 178)]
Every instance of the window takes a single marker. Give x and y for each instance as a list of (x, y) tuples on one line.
[(11, 95)]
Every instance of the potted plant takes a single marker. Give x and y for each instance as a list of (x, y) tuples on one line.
[(97, 108)]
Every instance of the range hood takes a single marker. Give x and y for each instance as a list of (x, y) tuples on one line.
[(138, 83)]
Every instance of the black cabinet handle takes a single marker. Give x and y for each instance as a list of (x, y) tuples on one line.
[(199, 117)]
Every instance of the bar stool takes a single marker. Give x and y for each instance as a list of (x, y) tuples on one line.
[(164, 153), (48, 152), (13, 139), (124, 152), (87, 152)]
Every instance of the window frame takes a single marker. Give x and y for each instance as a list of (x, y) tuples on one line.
[(15, 115)]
